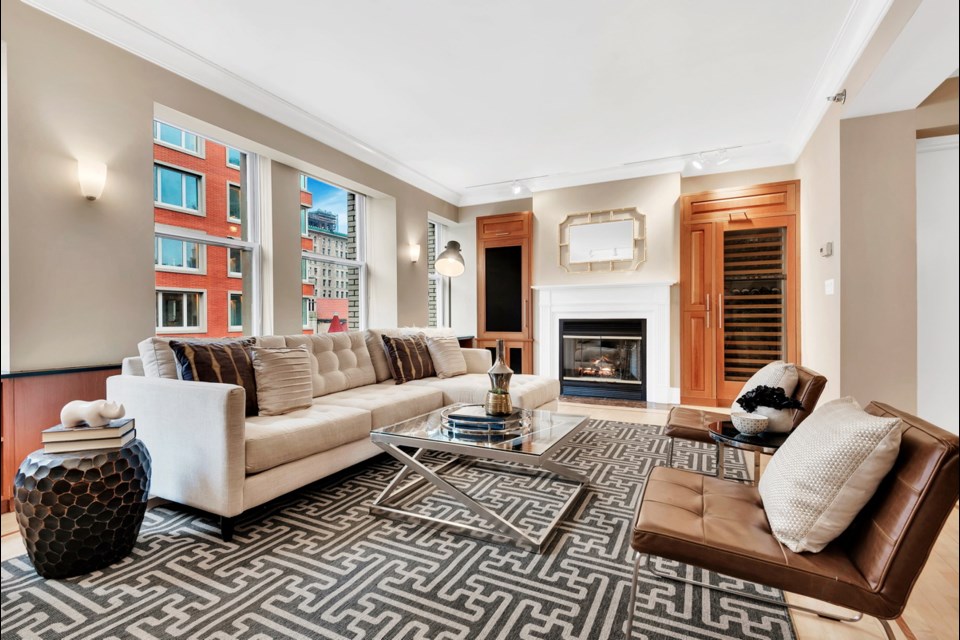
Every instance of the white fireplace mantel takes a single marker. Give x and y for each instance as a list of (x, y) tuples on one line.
[(649, 301)]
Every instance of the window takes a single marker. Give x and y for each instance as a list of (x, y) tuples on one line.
[(177, 255), (180, 311), (235, 309), (233, 202), (436, 307), (170, 136), (177, 189), (234, 262), (332, 270), (308, 312), (233, 157)]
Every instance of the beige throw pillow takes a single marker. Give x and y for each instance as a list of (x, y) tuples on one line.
[(158, 358), (776, 374), (448, 360), (284, 379), (826, 471)]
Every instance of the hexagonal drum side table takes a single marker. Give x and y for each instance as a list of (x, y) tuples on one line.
[(81, 511)]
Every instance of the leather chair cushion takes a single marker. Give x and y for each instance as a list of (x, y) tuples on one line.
[(690, 424), (721, 526)]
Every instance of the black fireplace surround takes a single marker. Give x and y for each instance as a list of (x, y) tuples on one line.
[(603, 358)]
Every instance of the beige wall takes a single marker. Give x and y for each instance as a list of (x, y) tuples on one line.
[(939, 114), (878, 200), (696, 184), (86, 268), (818, 169)]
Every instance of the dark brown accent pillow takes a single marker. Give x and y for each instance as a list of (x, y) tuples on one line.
[(226, 361), (408, 357)]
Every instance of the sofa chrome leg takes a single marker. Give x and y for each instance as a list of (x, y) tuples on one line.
[(634, 585), (226, 528), (747, 596)]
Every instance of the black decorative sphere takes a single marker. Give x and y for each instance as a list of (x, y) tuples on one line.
[(81, 511)]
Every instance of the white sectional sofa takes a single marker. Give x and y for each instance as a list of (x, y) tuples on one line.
[(207, 454)]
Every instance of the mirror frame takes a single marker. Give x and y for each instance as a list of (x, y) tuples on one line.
[(599, 217)]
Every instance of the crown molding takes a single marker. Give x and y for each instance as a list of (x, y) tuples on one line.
[(858, 28), (98, 20)]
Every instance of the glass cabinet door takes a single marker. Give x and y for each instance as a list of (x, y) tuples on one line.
[(756, 299)]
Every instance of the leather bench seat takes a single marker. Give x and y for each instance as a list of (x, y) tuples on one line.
[(721, 526), (690, 424), (526, 391)]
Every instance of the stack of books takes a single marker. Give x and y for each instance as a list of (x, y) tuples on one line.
[(61, 439)]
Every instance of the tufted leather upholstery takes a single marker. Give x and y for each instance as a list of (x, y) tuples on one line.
[(721, 526)]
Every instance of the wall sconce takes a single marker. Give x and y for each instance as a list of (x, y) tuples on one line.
[(414, 250), (92, 176)]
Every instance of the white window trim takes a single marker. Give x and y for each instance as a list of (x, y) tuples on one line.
[(203, 311), (232, 327), (307, 326), (202, 196), (201, 151), (201, 270), (234, 274), (226, 158), (305, 234), (233, 183)]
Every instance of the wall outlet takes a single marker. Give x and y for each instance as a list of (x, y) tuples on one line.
[(826, 250), (828, 287)]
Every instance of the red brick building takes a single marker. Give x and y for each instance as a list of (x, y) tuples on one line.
[(197, 185)]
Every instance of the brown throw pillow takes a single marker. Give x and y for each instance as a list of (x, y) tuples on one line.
[(227, 361), (408, 358)]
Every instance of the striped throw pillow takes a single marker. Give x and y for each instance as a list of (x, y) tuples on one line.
[(408, 357), (284, 379), (227, 361)]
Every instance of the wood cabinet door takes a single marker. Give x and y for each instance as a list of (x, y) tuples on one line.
[(697, 331), (756, 304), (724, 205), (505, 302)]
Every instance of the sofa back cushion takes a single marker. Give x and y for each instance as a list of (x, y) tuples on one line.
[(342, 359)]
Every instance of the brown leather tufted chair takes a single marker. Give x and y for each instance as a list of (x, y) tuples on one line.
[(690, 424), (871, 568)]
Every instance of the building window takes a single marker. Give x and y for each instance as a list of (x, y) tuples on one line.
[(308, 314), (176, 255), (180, 311), (334, 225), (234, 262), (436, 304), (176, 138), (233, 157), (235, 310), (177, 189), (233, 202)]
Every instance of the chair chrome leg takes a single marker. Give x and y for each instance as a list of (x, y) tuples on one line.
[(756, 468), (635, 584), (670, 453), (758, 598), (721, 471), (886, 629)]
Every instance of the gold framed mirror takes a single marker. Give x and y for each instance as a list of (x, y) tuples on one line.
[(603, 241)]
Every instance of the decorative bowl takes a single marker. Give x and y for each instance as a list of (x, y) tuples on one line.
[(749, 423)]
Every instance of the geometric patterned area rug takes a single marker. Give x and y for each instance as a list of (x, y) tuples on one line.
[(316, 564)]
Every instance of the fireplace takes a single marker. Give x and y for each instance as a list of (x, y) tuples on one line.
[(603, 358)]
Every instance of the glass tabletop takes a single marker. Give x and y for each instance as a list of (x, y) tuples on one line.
[(541, 431)]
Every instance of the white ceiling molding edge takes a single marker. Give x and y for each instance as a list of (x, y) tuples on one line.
[(168, 55), (858, 28)]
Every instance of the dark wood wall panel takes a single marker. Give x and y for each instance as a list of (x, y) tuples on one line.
[(32, 403)]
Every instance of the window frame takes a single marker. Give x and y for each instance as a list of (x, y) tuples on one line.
[(201, 211), (201, 151), (304, 221), (234, 183), (201, 311), (305, 311), (230, 326), (201, 257), (227, 149)]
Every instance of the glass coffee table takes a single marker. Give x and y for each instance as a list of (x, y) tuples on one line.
[(530, 449)]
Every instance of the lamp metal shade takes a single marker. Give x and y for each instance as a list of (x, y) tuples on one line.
[(450, 261)]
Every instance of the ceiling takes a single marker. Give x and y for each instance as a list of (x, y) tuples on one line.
[(461, 98)]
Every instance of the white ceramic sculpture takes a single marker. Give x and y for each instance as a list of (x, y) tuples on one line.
[(96, 413)]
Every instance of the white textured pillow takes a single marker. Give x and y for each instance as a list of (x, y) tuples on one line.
[(776, 374), (447, 357), (284, 379), (826, 471), (158, 358)]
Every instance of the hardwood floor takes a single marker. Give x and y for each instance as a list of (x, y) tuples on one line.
[(932, 613)]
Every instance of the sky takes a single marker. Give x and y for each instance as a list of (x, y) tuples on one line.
[(334, 199)]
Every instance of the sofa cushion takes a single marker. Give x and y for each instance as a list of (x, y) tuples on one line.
[(387, 402), (284, 379), (447, 356), (408, 358), (343, 361), (227, 361), (526, 391), (275, 440), (158, 358)]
